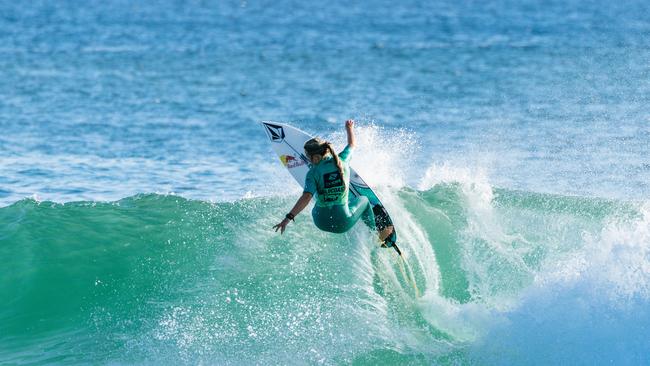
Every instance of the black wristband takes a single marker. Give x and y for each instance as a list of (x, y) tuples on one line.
[(290, 216)]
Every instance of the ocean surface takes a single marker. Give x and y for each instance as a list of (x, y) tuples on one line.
[(509, 140)]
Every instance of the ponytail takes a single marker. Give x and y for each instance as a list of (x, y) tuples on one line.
[(336, 158)]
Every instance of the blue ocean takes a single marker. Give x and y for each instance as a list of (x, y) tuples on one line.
[(509, 140)]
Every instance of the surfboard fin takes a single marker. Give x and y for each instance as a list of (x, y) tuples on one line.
[(397, 250)]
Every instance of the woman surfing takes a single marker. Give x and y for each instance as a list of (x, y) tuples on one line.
[(328, 179)]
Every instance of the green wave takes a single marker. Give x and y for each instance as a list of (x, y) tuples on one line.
[(162, 279)]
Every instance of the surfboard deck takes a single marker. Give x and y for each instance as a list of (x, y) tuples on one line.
[(288, 141)]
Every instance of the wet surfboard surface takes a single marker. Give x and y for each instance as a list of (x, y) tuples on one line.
[(288, 141)]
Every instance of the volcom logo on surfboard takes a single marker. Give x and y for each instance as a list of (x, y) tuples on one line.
[(275, 132)]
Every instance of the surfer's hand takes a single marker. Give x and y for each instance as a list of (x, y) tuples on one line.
[(349, 125), (282, 226)]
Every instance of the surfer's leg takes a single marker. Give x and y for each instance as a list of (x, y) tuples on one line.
[(375, 217), (340, 218), (332, 219), (360, 208)]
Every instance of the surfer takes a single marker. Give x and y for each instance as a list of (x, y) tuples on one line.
[(329, 179)]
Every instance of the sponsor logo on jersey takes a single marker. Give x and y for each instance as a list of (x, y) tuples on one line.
[(332, 179)]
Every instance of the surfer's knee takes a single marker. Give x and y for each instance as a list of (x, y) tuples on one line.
[(363, 200), (361, 203)]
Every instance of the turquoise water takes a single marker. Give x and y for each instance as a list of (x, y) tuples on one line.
[(509, 141), (511, 278)]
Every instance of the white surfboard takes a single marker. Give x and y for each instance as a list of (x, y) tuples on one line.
[(288, 142)]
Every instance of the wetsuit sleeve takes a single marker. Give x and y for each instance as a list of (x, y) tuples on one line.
[(346, 154), (310, 184)]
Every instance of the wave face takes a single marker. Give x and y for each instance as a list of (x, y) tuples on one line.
[(502, 276)]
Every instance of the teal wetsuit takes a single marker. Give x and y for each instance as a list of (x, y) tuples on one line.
[(334, 211)]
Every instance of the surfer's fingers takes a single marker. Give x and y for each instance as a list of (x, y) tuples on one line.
[(279, 227)]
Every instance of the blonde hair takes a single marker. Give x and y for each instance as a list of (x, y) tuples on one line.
[(317, 146)]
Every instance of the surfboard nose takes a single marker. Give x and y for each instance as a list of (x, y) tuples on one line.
[(274, 132)]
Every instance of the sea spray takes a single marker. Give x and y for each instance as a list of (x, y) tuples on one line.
[(590, 307)]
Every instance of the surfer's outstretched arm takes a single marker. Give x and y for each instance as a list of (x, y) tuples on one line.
[(300, 205), (349, 128)]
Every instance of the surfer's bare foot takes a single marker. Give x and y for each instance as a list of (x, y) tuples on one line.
[(385, 233)]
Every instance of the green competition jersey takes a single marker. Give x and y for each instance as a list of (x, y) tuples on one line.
[(324, 181)]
